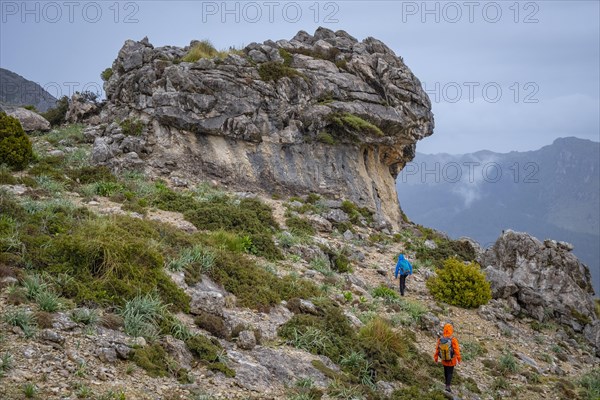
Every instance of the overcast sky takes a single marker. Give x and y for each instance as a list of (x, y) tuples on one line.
[(501, 75)]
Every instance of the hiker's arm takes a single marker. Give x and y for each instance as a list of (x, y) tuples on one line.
[(437, 349), (456, 348), (397, 268)]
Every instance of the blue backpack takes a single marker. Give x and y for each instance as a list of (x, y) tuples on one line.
[(403, 266)]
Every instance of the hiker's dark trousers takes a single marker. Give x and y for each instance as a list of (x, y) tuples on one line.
[(402, 284), (448, 371)]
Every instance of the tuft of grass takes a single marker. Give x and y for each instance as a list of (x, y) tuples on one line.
[(590, 385), (198, 256), (85, 316), (6, 363), (345, 124), (30, 390), (21, 318), (507, 364), (48, 301), (205, 49), (274, 71), (321, 264), (141, 316)]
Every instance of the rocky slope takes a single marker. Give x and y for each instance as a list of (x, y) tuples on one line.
[(319, 113), (509, 348)]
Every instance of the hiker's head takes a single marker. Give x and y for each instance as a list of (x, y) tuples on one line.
[(448, 330)]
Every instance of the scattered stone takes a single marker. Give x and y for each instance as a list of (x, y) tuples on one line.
[(107, 354), (246, 340), (51, 336)]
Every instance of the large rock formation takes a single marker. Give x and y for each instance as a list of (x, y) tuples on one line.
[(546, 280), (323, 113)]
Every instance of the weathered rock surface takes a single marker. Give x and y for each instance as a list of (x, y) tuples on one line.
[(546, 279), (217, 119), (30, 121), (83, 109)]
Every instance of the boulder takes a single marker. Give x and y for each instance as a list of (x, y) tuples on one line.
[(30, 120), (541, 279)]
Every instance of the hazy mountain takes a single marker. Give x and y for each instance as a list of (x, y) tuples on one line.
[(18, 91), (552, 192)]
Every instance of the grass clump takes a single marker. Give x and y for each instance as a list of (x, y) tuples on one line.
[(346, 125), (21, 318), (274, 71), (590, 385), (205, 49), (15, 147), (6, 363), (197, 256), (142, 315), (507, 364), (213, 324), (326, 138), (460, 284)]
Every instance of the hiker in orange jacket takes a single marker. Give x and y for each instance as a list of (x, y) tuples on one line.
[(454, 354)]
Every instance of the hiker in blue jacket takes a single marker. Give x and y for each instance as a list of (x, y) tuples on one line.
[(403, 268)]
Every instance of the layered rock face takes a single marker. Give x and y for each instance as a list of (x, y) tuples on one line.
[(323, 113), (545, 279)]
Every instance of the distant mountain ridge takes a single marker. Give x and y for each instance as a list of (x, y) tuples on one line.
[(553, 192), (16, 90)]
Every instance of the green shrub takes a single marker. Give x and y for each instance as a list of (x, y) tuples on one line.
[(300, 226), (210, 353), (460, 284), (253, 286), (213, 324), (56, 116), (157, 363), (385, 292), (132, 127), (356, 213), (106, 74), (445, 248), (109, 264), (15, 146), (274, 71)]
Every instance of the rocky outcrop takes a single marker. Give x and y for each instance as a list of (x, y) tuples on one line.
[(545, 279), (323, 113), (83, 108), (30, 120)]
